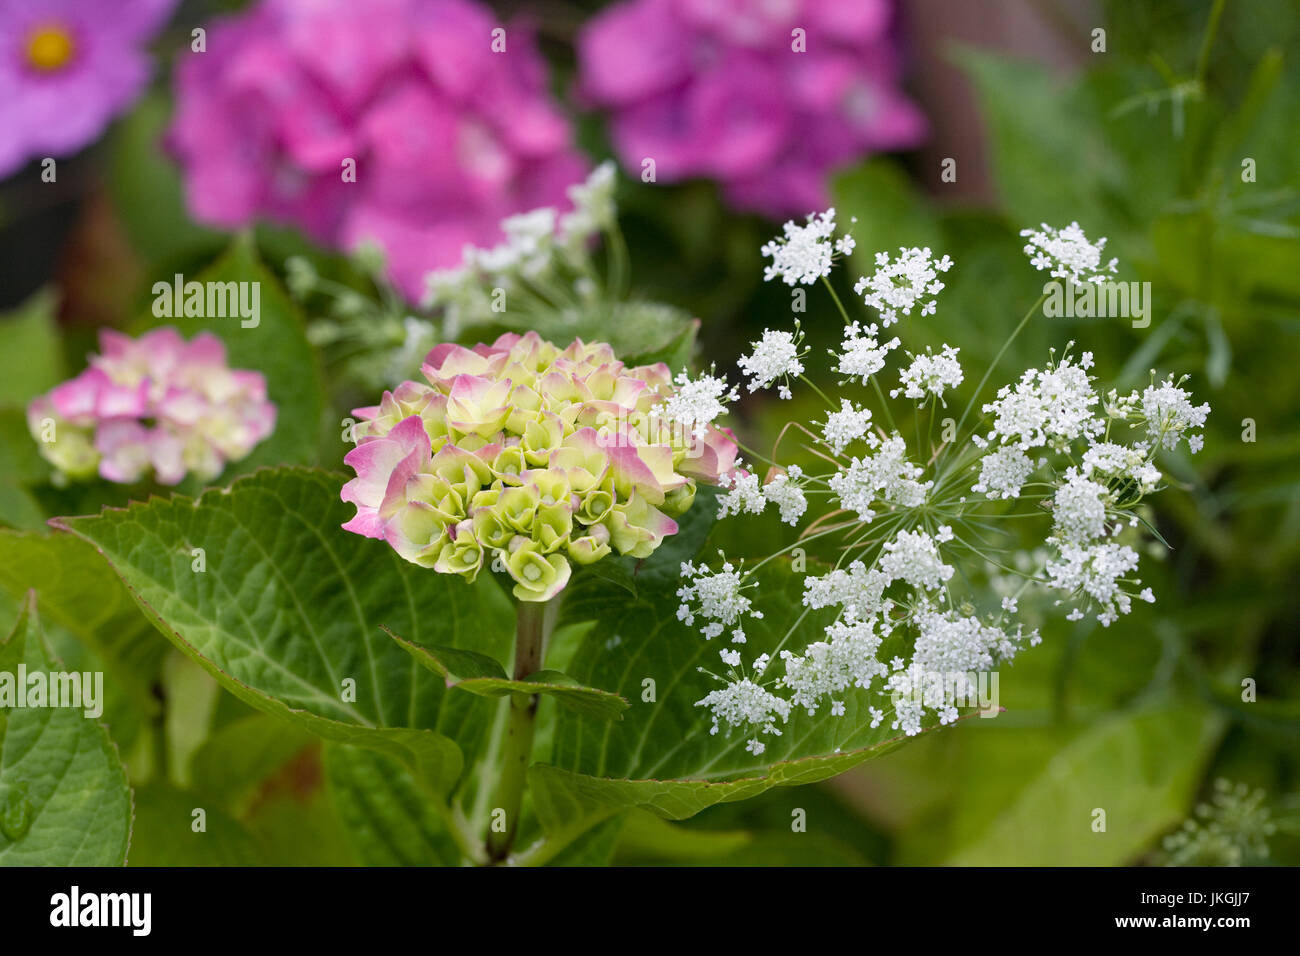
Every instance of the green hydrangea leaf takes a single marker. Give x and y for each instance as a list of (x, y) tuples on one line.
[(286, 613), (386, 816), (64, 799), (83, 595), (480, 674)]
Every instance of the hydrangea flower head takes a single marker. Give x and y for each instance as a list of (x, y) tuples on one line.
[(447, 136), (765, 98), (156, 404), (528, 457), (67, 69)]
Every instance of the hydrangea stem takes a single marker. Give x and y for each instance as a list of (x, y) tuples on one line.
[(517, 744)]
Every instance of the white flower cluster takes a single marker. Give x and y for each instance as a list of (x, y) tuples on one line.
[(1003, 472), (532, 241), (743, 703), (786, 492), (593, 207), (804, 254), (900, 285), (1053, 409), (846, 659), (860, 588), (950, 648), (1169, 414), (775, 358), (1110, 461), (862, 355), (846, 426), (887, 476), (1052, 406), (1096, 570), (913, 556), (719, 598), (917, 560), (744, 495), (698, 401), (930, 374), (1067, 253)]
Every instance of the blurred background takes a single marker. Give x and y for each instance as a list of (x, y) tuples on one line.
[(1171, 131)]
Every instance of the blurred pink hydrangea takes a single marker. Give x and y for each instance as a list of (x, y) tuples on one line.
[(156, 403), (447, 136), (67, 67), (717, 89)]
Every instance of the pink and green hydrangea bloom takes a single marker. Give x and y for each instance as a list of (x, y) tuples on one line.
[(529, 455), (156, 405)]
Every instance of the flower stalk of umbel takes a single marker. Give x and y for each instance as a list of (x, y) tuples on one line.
[(526, 458)]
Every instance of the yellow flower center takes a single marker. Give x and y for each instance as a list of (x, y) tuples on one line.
[(49, 48)]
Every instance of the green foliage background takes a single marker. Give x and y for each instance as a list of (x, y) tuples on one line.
[(1145, 146)]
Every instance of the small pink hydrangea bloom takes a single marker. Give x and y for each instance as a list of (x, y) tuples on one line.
[(767, 97), (156, 404), (531, 455), (445, 136)]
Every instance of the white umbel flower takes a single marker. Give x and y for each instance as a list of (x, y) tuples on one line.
[(1111, 460), (1052, 406), (1096, 571), (1003, 472), (913, 557), (802, 254), (786, 492), (1079, 509), (699, 401), (775, 358), (861, 354), (715, 596), (885, 476), (846, 426), (1067, 253), (953, 643), (846, 659), (1169, 413), (593, 206), (900, 285), (743, 495), (743, 703), (930, 374), (859, 588)]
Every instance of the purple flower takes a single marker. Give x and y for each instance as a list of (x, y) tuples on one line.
[(717, 89), (67, 67), (154, 404), (447, 136)]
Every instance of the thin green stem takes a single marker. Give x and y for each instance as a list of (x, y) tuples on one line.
[(838, 304), (517, 742), (813, 385), (1207, 42), (994, 364)]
